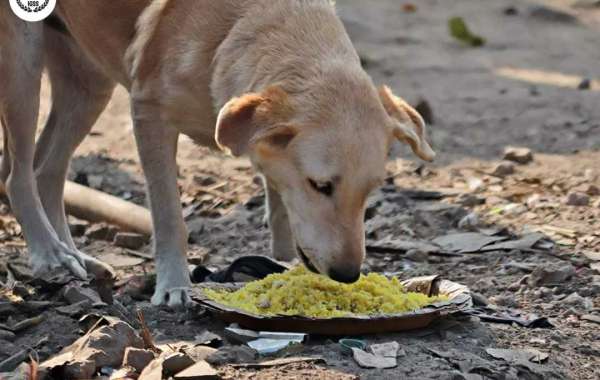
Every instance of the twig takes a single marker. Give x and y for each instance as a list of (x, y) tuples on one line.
[(27, 323), (146, 335), (34, 365)]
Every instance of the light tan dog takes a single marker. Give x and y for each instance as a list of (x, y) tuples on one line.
[(291, 93)]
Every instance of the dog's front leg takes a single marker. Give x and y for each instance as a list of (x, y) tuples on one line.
[(283, 246), (157, 146)]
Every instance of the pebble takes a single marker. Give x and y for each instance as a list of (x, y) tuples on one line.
[(577, 199), (504, 169), (591, 318), (475, 184), (129, 240), (591, 190), (543, 275), (78, 228), (585, 84), (102, 232), (137, 358), (417, 255), (479, 299), (424, 109), (232, 355), (505, 300), (521, 156), (578, 302), (469, 222)]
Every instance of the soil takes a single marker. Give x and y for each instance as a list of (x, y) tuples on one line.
[(482, 100)]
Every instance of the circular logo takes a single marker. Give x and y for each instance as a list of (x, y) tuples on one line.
[(32, 10)]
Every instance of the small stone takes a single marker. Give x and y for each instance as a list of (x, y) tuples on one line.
[(424, 109), (578, 302), (95, 181), (521, 156), (417, 255), (543, 275), (102, 232), (479, 299), (177, 362), (505, 300), (591, 190), (199, 371), (78, 228), (130, 240), (591, 318), (577, 199), (232, 355), (469, 222), (585, 84), (475, 184), (504, 169), (137, 358)]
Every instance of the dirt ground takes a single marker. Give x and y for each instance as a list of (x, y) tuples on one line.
[(520, 88)]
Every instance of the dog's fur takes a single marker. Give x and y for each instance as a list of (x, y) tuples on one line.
[(291, 93)]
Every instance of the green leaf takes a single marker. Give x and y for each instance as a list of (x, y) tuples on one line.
[(460, 31)]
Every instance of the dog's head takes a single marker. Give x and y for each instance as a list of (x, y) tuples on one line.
[(323, 152)]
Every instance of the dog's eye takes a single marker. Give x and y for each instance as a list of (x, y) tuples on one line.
[(325, 188)]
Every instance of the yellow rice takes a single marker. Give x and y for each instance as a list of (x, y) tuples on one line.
[(300, 292)]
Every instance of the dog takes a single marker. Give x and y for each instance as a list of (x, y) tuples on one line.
[(278, 81)]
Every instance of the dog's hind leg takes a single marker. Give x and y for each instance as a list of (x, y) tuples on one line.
[(20, 75), (79, 95)]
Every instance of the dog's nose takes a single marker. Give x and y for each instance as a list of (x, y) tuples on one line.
[(347, 276)]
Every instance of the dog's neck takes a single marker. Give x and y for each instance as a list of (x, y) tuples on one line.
[(290, 43)]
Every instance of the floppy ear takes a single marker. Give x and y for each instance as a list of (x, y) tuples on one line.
[(409, 126), (254, 118)]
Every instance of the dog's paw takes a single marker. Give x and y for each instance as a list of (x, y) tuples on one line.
[(175, 298), (55, 256), (58, 255)]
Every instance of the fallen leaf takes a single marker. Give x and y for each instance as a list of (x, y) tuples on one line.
[(460, 31)]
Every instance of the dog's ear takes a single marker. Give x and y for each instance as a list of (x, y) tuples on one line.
[(254, 118), (408, 126)]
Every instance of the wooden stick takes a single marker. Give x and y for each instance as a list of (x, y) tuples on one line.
[(95, 206)]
